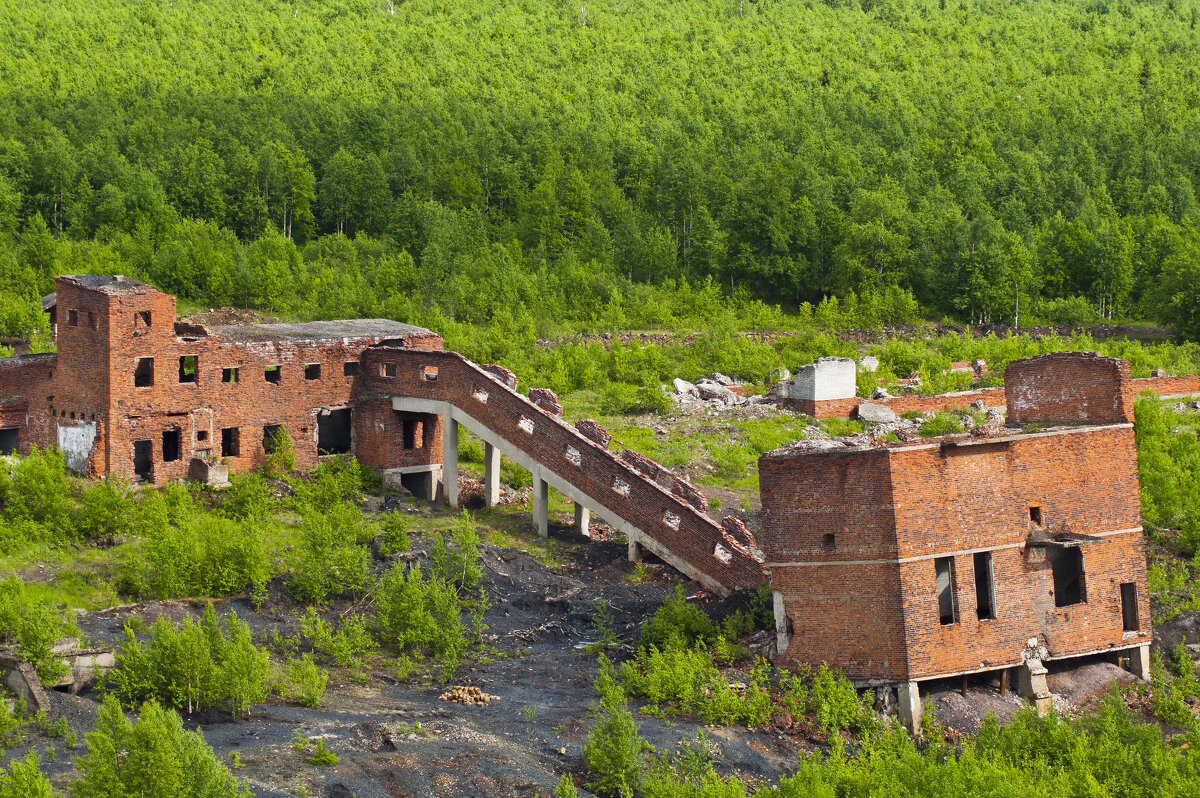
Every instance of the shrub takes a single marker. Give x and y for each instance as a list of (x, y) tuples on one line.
[(835, 703), (248, 497), (613, 751), (24, 779), (34, 625), (281, 461), (346, 647), (193, 667), (106, 510), (35, 497), (458, 565), (677, 618), (941, 423), (395, 535), (302, 682), (420, 616), (153, 757), (328, 559)]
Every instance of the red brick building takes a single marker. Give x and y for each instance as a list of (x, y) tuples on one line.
[(968, 554), (133, 391)]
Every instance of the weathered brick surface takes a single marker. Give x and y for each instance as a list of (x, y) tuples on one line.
[(102, 335), (1068, 388), (604, 477), (547, 400), (594, 432), (851, 536)]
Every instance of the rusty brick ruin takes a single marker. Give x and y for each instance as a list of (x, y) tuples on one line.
[(964, 555), (896, 564)]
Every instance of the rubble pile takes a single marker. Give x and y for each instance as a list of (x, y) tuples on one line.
[(471, 696)]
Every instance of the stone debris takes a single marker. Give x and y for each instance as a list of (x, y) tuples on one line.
[(1158, 373), (714, 391), (685, 388), (721, 379), (871, 413), (868, 363), (470, 696), (779, 375)]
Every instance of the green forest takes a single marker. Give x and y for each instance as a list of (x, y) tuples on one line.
[(555, 167)]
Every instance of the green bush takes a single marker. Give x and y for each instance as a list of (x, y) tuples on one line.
[(328, 559), (676, 618), (106, 509), (192, 667), (347, 647), (34, 625), (280, 461), (152, 757), (613, 750), (942, 423), (394, 539), (457, 564), (302, 682), (248, 498), (35, 499), (420, 616), (24, 779)]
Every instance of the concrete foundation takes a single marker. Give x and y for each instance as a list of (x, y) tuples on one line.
[(583, 519), (909, 696), (491, 475), (541, 506), (1031, 684)]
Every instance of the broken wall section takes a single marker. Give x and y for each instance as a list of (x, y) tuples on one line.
[(1069, 388)]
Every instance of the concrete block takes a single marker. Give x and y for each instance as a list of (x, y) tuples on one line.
[(827, 378)]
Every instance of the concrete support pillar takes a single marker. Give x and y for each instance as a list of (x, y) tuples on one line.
[(450, 460), (782, 638), (909, 695), (1139, 662), (583, 518), (491, 475), (541, 506), (1031, 684), (635, 551)]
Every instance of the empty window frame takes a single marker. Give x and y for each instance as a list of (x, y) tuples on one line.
[(201, 435), (985, 586), (312, 371), (271, 436), (72, 318), (141, 319), (231, 442), (170, 446), (143, 374), (273, 374), (1066, 563), (1035, 515), (828, 541), (413, 433), (9, 440), (387, 369), (143, 460), (229, 374), (189, 368), (93, 322), (943, 569), (350, 368), (1129, 607), (333, 432), (430, 374)]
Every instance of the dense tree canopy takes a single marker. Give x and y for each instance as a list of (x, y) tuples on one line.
[(452, 160)]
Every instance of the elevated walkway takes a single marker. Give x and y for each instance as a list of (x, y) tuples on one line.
[(626, 491)]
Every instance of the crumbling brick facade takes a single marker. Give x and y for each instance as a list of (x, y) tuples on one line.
[(132, 391), (948, 557)]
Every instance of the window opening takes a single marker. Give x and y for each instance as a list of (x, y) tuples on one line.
[(95, 325), (828, 540), (430, 374), (272, 374), (8, 440), (170, 450), (1067, 566), (143, 375), (189, 368), (229, 374), (72, 318), (333, 432), (141, 319), (985, 586), (387, 369), (350, 368), (1129, 606), (413, 433), (230, 442), (202, 435), (143, 463), (1035, 515), (312, 371), (271, 435), (943, 568)]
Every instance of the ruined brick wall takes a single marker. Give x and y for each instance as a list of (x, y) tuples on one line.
[(24, 383), (830, 546), (892, 512), (449, 377), (1068, 388), (382, 442), (1186, 385)]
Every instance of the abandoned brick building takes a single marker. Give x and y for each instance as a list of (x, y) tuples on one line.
[(133, 391), (969, 554)]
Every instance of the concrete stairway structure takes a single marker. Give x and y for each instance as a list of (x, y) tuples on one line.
[(655, 510)]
